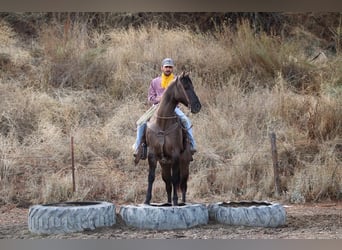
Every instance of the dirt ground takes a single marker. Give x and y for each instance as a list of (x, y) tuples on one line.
[(310, 221)]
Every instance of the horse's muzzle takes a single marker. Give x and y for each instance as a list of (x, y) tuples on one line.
[(196, 107)]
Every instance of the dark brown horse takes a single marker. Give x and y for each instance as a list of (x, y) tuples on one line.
[(167, 140)]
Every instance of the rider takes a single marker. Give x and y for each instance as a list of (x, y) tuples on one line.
[(156, 90)]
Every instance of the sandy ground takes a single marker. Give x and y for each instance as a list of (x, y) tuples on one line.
[(311, 221)]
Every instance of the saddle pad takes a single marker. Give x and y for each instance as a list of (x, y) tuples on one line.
[(147, 115)]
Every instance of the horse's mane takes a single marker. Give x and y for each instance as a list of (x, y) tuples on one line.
[(173, 82), (172, 85), (169, 88)]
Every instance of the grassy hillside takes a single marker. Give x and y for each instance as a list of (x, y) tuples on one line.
[(67, 79)]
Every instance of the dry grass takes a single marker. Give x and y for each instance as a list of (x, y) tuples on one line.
[(73, 81), (14, 59)]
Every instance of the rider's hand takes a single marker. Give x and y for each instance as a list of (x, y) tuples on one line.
[(158, 98)]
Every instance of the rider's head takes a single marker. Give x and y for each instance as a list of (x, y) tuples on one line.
[(167, 66)]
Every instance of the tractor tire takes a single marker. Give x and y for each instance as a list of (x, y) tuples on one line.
[(164, 216), (254, 214), (70, 217)]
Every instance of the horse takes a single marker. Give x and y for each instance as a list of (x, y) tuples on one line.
[(167, 141)]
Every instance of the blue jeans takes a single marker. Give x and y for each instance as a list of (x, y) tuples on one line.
[(187, 124), (140, 134), (185, 121)]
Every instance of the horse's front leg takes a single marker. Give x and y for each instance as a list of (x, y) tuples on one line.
[(166, 176), (151, 176)]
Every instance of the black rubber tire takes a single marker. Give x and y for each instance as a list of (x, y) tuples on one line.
[(70, 217), (164, 217), (253, 213)]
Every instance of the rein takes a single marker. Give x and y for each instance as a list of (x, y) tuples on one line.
[(165, 117), (163, 132)]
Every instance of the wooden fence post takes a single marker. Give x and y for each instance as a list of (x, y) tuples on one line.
[(275, 163)]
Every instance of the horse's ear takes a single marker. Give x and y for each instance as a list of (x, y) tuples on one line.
[(185, 74)]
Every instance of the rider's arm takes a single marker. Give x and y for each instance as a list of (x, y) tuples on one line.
[(154, 92)]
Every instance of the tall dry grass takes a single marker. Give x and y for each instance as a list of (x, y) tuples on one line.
[(92, 86)]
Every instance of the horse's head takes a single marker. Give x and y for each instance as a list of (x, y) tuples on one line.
[(189, 97)]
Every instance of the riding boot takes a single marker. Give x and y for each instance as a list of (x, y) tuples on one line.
[(138, 141), (141, 151), (143, 155)]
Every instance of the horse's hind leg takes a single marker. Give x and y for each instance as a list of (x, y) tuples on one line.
[(184, 176), (166, 176), (151, 176), (175, 182), (183, 188)]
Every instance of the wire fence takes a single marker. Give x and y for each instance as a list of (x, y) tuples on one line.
[(70, 164)]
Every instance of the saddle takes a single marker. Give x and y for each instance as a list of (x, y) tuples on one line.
[(142, 149)]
